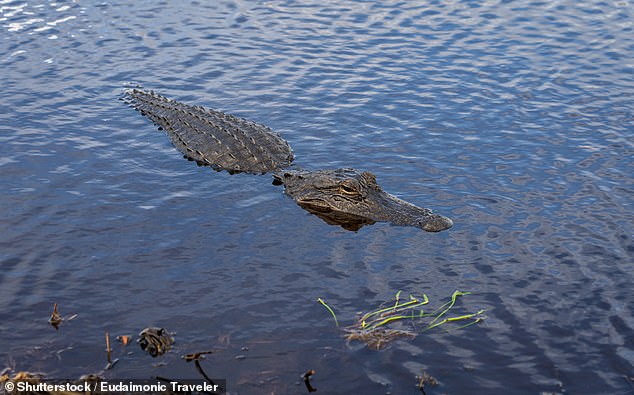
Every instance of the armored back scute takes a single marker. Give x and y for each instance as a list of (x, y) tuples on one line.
[(213, 138)]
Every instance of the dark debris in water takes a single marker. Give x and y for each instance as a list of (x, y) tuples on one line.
[(425, 379), (306, 377), (57, 319), (155, 341), (196, 356), (379, 338), (111, 363)]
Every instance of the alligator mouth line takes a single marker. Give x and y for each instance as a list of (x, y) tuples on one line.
[(315, 204)]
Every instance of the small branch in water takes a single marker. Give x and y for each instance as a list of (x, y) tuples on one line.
[(425, 379), (306, 378), (110, 364), (108, 346), (196, 355), (56, 319), (196, 358), (202, 372)]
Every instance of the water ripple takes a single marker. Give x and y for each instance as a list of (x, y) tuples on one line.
[(514, 118)]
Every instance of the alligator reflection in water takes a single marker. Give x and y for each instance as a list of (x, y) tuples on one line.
[(344, 197)]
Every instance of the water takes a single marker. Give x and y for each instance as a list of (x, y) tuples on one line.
[(514, 118)]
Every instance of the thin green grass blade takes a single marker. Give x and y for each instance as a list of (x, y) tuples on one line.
[(320, 300), (451, 304)]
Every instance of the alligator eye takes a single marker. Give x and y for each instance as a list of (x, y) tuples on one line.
[(349, 190)]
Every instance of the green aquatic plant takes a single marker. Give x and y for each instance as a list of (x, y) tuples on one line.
[(376, 328), (477, 317), (320, 300)]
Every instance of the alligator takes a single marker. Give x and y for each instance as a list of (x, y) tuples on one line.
[(345, 197)]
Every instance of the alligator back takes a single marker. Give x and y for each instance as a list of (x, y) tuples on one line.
[(213, 138)]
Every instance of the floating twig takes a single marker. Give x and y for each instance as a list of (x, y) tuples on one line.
[(56, 318), (202, 372), (196, 357), (108, 346), (306, 378), (111, 363), (425, 379)]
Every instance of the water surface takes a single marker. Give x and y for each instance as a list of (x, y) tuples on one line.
[(514, 118)]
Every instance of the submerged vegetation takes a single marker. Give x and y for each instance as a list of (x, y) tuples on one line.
[(384, 324), (396, 319)]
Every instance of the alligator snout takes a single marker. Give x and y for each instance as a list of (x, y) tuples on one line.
[(435, 223)]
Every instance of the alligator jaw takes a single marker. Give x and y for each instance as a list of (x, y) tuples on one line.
[(402, 213)]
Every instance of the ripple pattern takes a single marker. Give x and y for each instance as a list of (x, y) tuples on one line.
[(514, 118)]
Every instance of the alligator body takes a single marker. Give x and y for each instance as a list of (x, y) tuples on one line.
[(213, 138), (344, 197)]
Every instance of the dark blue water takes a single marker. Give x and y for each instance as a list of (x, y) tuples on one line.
[(514, 118)]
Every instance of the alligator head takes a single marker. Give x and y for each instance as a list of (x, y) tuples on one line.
[(352, 199)]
